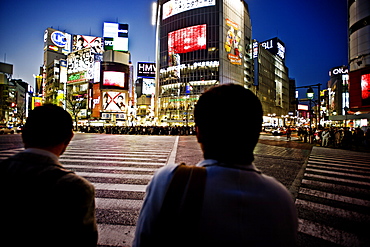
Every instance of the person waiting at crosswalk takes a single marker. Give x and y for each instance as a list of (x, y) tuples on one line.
[(230, 203), (44, 204)]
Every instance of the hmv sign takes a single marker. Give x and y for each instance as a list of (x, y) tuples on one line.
[(146, 70)]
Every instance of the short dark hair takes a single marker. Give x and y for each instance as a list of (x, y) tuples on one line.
[(47, 125), (229, 118)]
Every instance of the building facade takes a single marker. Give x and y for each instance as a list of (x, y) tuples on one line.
[(89, 76), (15, 97), (6, 72), (200, 45), (271, 82), (359, 60), (338, 91), (210, 43)]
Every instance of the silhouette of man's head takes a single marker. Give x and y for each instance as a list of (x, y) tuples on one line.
[(47, 126), (229, 119)]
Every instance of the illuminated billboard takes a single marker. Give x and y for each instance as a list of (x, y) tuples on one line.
[(174, 7), (96, 98), (233, 46), (148, 86), (57, 41), (114, 102), (115, 36), (187, 39), (81, 61), (114, 79), (81, 42), (365, 89), (275, 46), (146, 70)]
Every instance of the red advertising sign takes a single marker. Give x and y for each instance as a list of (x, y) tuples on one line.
[(187, 39), (365, 89)]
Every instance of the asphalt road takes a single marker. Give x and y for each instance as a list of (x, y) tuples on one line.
[(331, 187)]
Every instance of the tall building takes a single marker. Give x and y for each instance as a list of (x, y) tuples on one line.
[(89, 76), (208, 43), (338, 91), (271, 81), (359, 60), (6, 72), (200, 45), (57, 45)]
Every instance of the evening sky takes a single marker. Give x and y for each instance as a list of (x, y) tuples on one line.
[(314, 31)]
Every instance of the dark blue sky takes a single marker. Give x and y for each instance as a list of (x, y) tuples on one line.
[(314, 31)]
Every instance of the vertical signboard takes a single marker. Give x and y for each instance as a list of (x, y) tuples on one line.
[(365, 89), (233, 45)]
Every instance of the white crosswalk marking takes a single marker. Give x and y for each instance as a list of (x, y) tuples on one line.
[(333, 201), (120, 172)]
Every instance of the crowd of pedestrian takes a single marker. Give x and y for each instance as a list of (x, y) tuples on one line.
[(336, 137), (139, 130)]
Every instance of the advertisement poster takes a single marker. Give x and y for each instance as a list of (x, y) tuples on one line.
[(365, 89), (233, 46), (81, 42), (82, 60), (114, 101)]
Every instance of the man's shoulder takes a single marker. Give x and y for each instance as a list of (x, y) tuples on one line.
[(34, 167), (164, 173)]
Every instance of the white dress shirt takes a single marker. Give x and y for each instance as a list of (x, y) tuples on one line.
[(241, 207)]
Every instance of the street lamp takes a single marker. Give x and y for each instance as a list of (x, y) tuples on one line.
[(310, 93), (310, 96)]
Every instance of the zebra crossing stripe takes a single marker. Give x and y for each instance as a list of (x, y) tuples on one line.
[(340, 167), (354, 176), (330, 186), (111, 162), (334, 197), (118, 204), (325, 209), (308, 175), (112, 175), (361, 164), (116, 168), (328, 233)]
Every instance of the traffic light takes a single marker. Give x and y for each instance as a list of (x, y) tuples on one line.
[(12, 104)]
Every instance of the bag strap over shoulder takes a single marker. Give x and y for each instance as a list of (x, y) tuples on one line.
[(182, 206)]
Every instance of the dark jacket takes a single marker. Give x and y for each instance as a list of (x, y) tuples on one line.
[(42, 204)]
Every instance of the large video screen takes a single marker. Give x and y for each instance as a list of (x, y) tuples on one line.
[(365, 89), (187, 39), (114, 79)]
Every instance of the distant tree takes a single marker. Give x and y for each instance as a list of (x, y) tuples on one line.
[(74, 105)]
